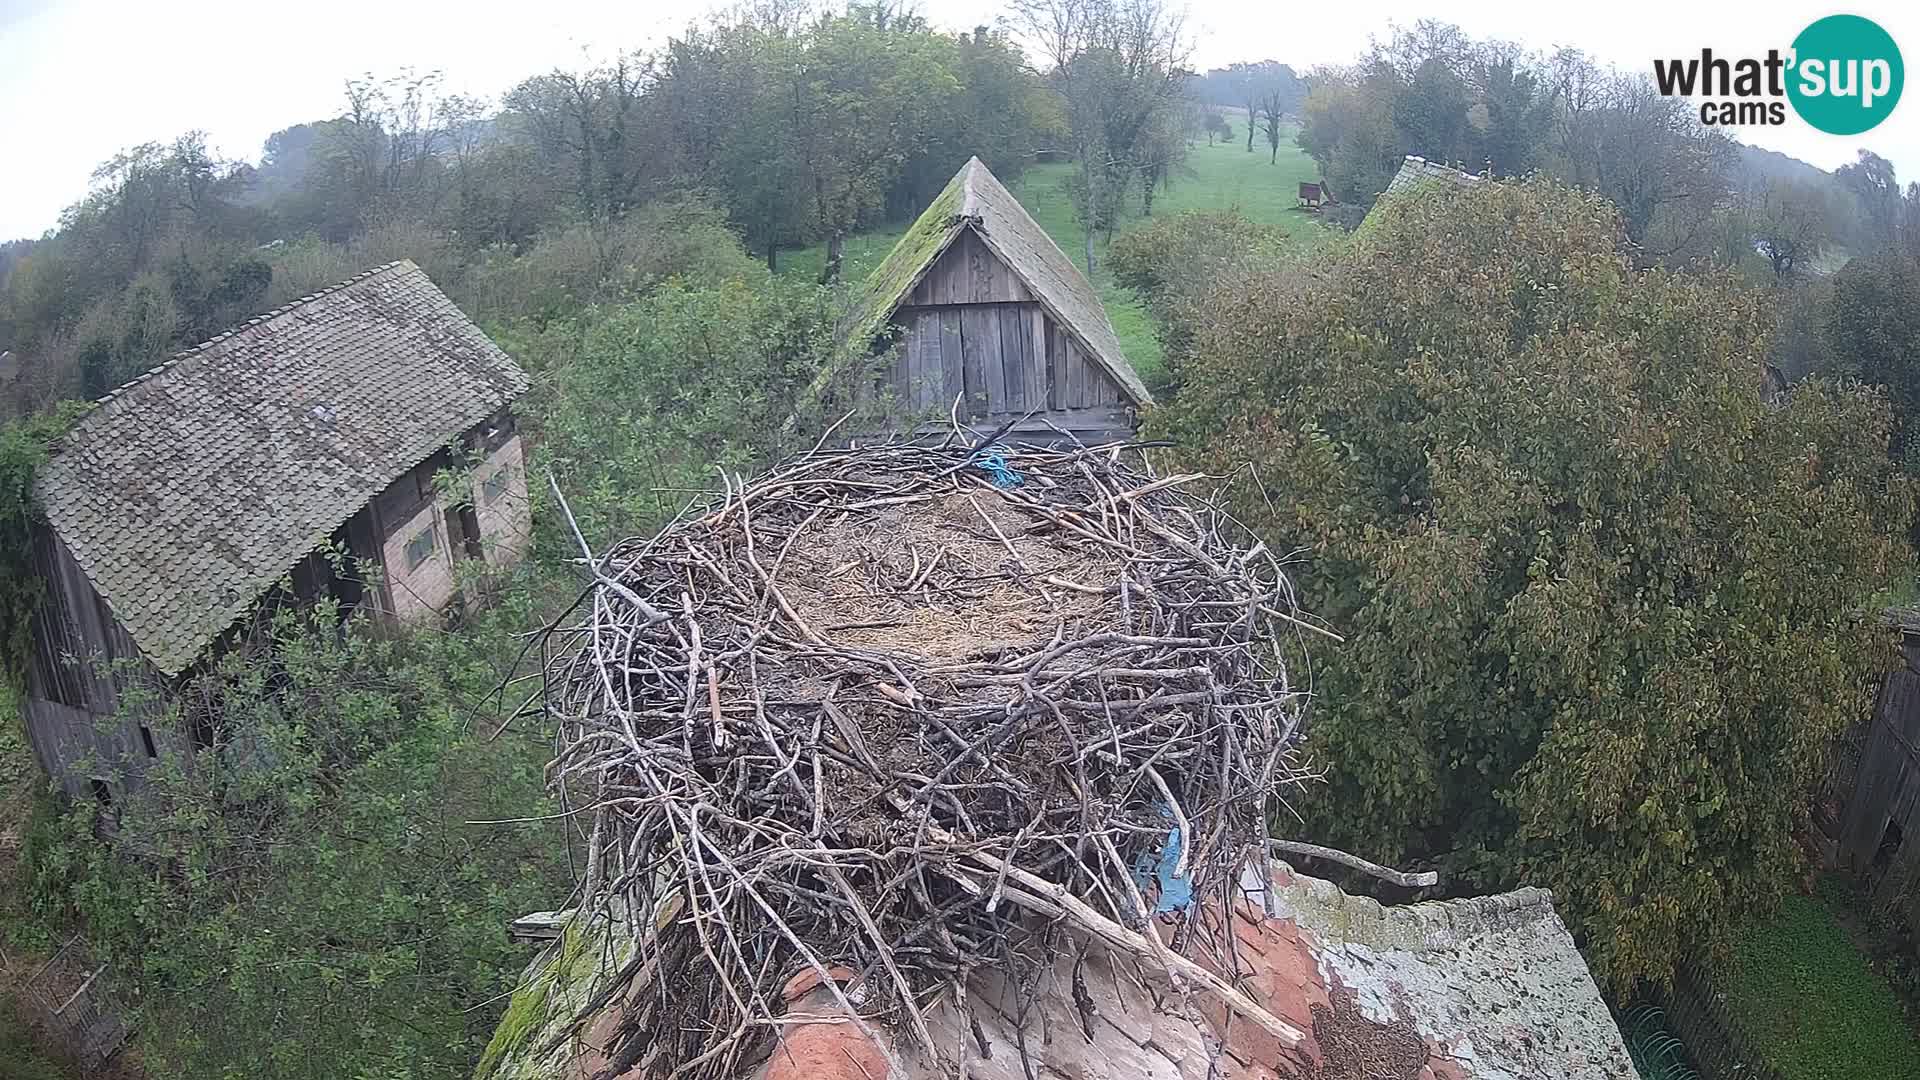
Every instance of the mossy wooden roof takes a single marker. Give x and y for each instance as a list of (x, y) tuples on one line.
[(185, 494), (975, 199)]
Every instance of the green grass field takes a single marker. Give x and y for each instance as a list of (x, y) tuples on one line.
[(1804, 995), (1219, 177)]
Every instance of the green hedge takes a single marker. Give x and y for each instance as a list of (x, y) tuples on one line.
[(1803, 994)]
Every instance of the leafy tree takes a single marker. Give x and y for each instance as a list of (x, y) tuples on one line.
[(1872, 179), (314, 868), (624, 429), (1567, 541), (1178, 264), (1646, 152), (1872, 332), (1430, 113), (860, 93), (1347, 126), (1119, 69), (1789, 225), (589, 130), (1513, 114)]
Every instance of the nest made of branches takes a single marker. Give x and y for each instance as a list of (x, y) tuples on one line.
[(877, 709)]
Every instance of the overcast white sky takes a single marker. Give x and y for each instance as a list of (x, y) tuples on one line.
[(81, 79)]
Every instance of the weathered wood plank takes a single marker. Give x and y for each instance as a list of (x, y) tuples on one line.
[(953, 382), (912, 357), (981, 265), (1014, 358), (1885, 767), (968, 272), (933, 389), (980, 345), (1055, 376), (1076, 395), (1037, 350), (953, 353)]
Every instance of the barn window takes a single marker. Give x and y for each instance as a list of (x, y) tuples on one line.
[(146, 741), (102, 791), (493, 487), (420, 548)]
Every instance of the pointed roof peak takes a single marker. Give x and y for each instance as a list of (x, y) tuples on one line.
[(976, 199)]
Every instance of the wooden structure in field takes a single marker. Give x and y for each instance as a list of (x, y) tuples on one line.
[(977, 304), (1312, 196), (305, 455)]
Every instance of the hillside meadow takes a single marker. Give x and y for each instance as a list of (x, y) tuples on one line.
[(1220, 177)]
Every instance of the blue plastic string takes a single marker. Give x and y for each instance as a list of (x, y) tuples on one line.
[(992, 460)]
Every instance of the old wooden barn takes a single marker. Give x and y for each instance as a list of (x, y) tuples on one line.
[(977, 304), (1870, 813), (299, 449)]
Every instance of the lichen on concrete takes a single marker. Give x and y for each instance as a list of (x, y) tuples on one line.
[(558, 984)]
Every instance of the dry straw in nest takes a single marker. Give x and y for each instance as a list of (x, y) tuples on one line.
[(876, 710)]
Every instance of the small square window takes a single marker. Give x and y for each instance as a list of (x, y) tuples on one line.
[(420, 548), (493, 487)]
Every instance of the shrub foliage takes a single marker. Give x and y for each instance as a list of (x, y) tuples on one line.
[(1603, 601), (322, 865)]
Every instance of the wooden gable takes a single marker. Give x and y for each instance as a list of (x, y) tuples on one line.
[(971, 328), (968, 273)]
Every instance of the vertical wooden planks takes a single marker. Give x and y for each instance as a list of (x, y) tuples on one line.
[(980, 349), (1076, 369), (947, 349), (914, 354), (1053, 341), (1037, 354), (980, 270), (953, 353), (1015, 358)]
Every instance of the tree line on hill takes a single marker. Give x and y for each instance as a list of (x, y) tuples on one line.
[(1687, 192), (797, 127)]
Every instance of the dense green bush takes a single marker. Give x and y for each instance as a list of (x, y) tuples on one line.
[(1177, 264), (315, 897), (1602, 600), (569, 269), (1872, 329), (638, 405)]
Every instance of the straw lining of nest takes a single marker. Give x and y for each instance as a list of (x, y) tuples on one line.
[(873, 710)]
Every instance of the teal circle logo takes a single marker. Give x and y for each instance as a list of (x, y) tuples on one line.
[(1846, 75)]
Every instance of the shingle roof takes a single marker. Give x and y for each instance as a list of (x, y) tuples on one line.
[(1417, 171), (187, 492), (1488, 988), (975, 199)]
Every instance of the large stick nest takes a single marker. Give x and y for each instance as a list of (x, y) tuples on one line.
[(872, 710)]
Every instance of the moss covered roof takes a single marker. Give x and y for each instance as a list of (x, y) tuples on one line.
[(975, 199)]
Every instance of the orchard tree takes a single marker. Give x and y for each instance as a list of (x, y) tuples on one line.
[(1119, 68), (1567, 541), (863, 90)]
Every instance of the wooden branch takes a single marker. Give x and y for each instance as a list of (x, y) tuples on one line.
[(1355, 862)]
